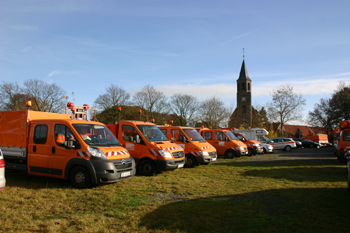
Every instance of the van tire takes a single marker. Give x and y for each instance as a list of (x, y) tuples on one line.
[(288, 148), (229, 154), (79, 178), (250, 151), (190, 161), (147, 168)]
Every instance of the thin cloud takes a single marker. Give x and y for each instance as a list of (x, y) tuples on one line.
[(237, 37), (55, 72)]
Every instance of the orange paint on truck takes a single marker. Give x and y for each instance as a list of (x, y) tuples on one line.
[(197, 150), (29, 141), (254, 147), (224, 141), (152, 151)]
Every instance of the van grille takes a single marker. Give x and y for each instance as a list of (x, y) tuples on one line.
[(178, 155), (212, 154), (123, 164)]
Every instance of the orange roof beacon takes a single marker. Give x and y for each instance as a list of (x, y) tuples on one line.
[(152, 151), (61, 146), (224, 141), (197, 150)]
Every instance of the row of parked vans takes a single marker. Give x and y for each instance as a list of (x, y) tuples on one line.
[(88, 152)]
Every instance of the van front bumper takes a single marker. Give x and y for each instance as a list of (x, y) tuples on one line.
[(163, 165), (207, 159), (113, 170)]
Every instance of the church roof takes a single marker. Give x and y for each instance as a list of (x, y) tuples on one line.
[(243, 75)]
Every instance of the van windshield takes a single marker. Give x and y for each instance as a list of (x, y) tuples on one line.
[(193, 135), (231, 135), (152, 133), (96, 135), (246, 136)]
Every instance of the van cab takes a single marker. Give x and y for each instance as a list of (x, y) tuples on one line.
[(225, 142), (254, 147), (152, 151), (197, 150)]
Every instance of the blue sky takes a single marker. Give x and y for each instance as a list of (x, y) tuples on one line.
[(178, 46)]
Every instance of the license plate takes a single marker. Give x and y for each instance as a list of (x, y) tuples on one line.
[(180, 165), (125, 174), (213, 159)]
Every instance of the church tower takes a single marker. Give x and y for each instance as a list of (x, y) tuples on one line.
[(244, 98)]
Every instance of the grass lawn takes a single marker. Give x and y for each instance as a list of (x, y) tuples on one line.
[(299, 191)]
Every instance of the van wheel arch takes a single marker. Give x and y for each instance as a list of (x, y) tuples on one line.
[(72, 163)]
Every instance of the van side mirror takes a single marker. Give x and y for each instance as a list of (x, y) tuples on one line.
[(137, 139), (71, 143)]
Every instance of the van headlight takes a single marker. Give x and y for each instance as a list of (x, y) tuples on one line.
[(240, 148), (165, 154), (96, 152), (256, 145), (203, 152)]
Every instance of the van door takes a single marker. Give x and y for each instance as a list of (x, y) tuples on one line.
[(38, 149), (221, 142), (179, 138), (128, 139), (60, 154)]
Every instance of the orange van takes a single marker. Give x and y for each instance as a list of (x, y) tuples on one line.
[(197, 150), (343, 143), (224, 141), (254, 147), (56, 145), (152, 151)]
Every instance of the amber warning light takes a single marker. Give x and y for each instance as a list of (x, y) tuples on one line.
[(29, 103)]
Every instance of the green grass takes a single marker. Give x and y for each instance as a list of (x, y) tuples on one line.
[(239, 195)]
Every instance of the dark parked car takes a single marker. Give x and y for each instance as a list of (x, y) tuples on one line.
[(307, 143)]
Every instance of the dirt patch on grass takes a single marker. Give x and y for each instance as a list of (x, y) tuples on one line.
[(167, 197)]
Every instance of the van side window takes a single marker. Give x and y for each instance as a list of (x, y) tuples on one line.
[(129, 133), (177, 135), (62, 134), (220, 136), (346, 136), (40, 134), (208, 135), (163, 131)]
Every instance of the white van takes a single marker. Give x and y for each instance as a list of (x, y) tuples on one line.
[(2, 171)]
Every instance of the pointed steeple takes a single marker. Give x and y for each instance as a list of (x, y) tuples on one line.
[(243, 75)]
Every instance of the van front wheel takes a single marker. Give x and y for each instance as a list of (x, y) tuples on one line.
[(190, 161), (80, 178), (229, 154), (147, 168)]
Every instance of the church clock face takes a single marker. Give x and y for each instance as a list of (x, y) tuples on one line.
[(243, 98)]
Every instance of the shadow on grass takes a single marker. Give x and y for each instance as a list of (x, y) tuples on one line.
[(309, 174), (22, 179), (286, 210)]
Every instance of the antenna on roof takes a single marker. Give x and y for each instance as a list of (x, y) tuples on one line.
[(243, 53)]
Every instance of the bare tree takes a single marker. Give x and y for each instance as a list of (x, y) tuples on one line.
[(152, 101), (114, 97), (212, 112), (184, 106), (110, 101), (12, 97), (285, 106), (47, 97)]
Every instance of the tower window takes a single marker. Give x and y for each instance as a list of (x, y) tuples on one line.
[(248, 86), (243, 86), (244, 110)]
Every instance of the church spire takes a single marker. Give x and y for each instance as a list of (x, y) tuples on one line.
[(243, 75)]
